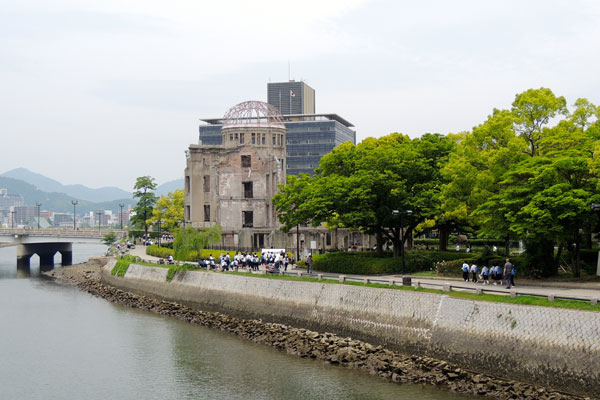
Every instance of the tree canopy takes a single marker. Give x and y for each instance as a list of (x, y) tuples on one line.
[(169, 210), (146, 199), (529, 172)]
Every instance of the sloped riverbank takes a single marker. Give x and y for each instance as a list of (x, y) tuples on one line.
[(327, 347)]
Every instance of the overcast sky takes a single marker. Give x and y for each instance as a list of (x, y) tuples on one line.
[(101, 92)]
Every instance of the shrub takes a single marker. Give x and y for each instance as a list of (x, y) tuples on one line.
[(156, 251), (369, 263), (122, 265)]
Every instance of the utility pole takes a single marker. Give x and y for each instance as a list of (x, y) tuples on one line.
[(121, 205), (38, 210)]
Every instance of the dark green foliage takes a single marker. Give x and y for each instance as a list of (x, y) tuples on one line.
[(539, 259), (368, 263), (110, 238)]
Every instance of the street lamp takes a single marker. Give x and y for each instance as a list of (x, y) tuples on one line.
[(74, 202), (401, 213), (121, 205), (38, 210), (596, 207)]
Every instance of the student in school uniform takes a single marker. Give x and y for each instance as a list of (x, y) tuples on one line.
[(465, 271)]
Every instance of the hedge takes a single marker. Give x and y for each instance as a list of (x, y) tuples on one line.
[(368, 263), (443, 262)]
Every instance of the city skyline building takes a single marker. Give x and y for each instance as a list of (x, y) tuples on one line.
[(291, 97), (309, 135)]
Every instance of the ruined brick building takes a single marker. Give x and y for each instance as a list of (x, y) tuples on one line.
[(232, 184)]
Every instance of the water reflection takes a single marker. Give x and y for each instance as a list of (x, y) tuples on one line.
[(79, 346)]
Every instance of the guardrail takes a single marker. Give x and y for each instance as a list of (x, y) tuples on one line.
[(60, 232), (447, 287)]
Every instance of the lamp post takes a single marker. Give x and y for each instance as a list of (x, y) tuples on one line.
[(401, 213), (74, 202), (121, 205), (596, 207), (298, 243), (38, 210), (99, 213), (159, 233)]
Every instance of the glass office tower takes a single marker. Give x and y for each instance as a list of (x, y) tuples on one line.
[(309, 137)]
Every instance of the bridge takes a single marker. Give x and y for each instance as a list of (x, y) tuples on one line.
[(47, 242)]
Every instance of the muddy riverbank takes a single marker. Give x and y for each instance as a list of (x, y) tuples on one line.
[(326, 347)]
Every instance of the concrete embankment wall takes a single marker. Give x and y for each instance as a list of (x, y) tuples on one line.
[(558, 348)]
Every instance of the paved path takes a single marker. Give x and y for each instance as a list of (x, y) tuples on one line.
[(580, 290)]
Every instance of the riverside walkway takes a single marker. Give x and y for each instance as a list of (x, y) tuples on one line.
[(576, 290)]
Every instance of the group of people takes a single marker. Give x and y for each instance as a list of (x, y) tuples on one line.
[(272, 261), (496, 273)]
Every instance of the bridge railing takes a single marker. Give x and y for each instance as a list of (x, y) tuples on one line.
[(60, 232)]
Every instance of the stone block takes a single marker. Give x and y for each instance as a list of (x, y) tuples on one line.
[(417, 285), (551, 298), (594, 301), (513, 293), (391, 282), (342, 279), (446, 287), (366, 280), (300, 274), (478, 290), (320, 277)]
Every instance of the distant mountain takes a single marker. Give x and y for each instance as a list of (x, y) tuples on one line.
[(45, 184), (59, 202), (171, 186)]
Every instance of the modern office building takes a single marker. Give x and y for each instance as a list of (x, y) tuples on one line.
[(291, 97), (23, 215), (309, 135), (63, 220)]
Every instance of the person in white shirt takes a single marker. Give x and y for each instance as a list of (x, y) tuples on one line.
[(474, 270)]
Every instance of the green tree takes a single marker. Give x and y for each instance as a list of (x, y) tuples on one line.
[(146, 199), (358, 187), (533, 109), (191, 239), (109, 239), (169, 210), (546, 198), (472, 174)]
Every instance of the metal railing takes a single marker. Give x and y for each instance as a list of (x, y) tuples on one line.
[(447, 287), (60, 232)]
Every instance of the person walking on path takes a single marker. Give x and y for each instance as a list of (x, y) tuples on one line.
[(465, 271), (309, 264), (474, 271), (512, 276), (508, 268)]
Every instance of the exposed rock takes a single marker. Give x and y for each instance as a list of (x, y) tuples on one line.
[(319, 346)]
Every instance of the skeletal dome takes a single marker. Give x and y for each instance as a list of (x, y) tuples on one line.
[(253, 113)]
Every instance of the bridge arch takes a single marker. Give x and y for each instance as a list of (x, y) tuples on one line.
[(45, 251)]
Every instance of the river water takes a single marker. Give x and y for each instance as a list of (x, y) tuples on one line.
[(57, 342)]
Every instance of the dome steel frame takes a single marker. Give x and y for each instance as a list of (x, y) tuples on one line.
[(253, 113)]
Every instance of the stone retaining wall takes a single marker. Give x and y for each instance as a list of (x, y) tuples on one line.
[(557, 348)]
